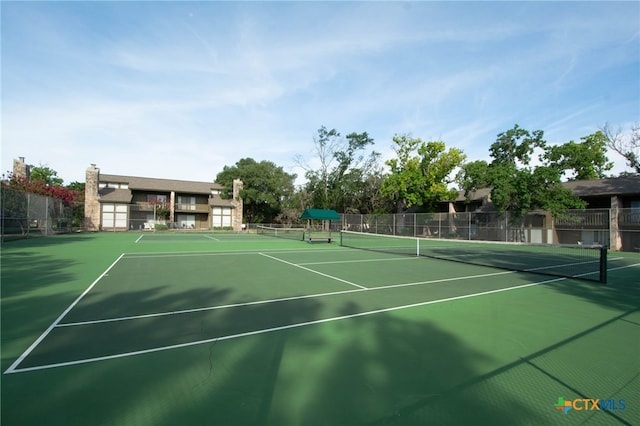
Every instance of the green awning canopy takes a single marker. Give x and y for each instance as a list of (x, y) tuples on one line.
[(320, 214)]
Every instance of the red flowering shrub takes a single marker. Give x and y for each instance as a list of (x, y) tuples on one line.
[(21, 183)]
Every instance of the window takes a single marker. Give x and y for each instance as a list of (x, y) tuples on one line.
[(186, 203), (635, 211), (114, 215), (221, 216), (156, 198)]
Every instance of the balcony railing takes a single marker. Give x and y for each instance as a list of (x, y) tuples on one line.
[(143, 206), (194, 208)]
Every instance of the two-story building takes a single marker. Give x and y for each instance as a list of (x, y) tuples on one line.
[(115, 202)]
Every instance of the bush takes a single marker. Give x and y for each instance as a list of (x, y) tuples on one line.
[(161, 227)]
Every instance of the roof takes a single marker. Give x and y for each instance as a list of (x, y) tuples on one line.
[(625, 185), (480, 194), (165, 185), (319, 214), (111, 195)]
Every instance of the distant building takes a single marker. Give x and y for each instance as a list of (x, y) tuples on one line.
[(114, 202), (618, 222)]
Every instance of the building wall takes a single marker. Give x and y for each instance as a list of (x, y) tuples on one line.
[(237, 212), (91, 202), (20, 168), (139, 209)]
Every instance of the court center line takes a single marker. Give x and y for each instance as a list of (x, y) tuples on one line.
[(315, 272), (26, 353), (275, 329)]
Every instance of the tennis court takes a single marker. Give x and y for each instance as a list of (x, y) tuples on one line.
[(246, 329)]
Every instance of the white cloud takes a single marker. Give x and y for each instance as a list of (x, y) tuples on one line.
[(183, 94)]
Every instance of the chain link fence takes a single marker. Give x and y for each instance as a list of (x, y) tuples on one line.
[(26, 215), (619, 229)]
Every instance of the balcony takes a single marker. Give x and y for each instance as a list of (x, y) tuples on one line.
[(191, 208)]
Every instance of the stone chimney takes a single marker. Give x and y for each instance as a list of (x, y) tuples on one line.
[(236, 219), (92, 199), (20, 168)]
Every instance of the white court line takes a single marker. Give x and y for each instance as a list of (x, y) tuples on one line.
[(282, 299), (334, 262), (13, 366), (274, 329), (224, 253), (315, 272), (308, 296), (211, 238), (140, 237)]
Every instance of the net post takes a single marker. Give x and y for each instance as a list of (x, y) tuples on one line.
[(417, 247), (603, 264)]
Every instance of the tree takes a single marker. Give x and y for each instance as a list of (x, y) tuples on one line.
[(78, 205), (46, 175), (587, 159), (266, 187), (421, 173), (516, 185), (626, 145), (21, 183), (344, 173)]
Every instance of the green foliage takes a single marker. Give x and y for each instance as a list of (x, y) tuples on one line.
[(160, 227), (519, 187), (46, 175), (266, 187), (473, 176), (222, 228), (586, 159), (421, 173), (348, 177)]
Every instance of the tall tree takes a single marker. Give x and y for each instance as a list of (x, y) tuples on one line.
[(342, 172), (625, 144), (46, 175), (516, 185), (266, 186), (586, 159), (421, 173)]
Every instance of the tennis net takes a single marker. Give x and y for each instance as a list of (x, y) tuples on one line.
[(287, 233), (587, 262)]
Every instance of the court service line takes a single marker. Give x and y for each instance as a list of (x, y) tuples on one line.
[(282, 299), (334, 262), (13, 368), (275, 329), (220, 253), (308, 296), (315, 272), (26, 353)]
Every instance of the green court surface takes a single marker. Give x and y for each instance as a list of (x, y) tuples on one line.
[(244, 329)]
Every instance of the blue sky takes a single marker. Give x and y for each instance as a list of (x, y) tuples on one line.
[(181, 89)]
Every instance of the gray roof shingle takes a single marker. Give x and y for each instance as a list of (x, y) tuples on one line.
[(163, 185)]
